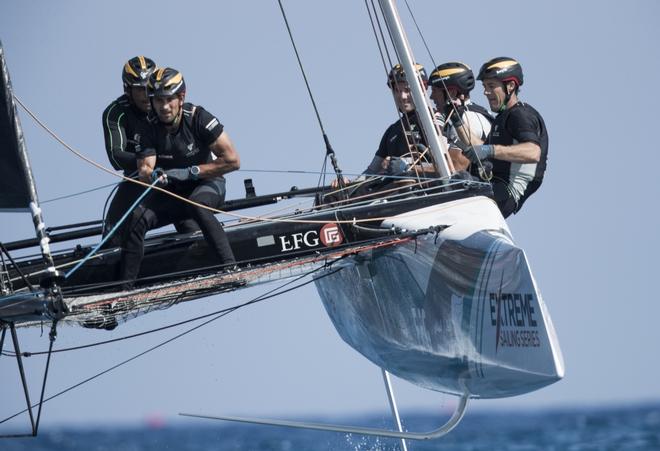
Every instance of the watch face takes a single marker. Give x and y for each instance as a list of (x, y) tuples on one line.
[(194, 170)]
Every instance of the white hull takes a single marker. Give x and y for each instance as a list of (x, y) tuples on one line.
[(457, 312)]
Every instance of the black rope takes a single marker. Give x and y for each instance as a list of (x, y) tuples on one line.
[(124, 362), (420, 34), (3, 251), (373, 27), (52, 335), (105, 208), (382, 35), (80, 193), (453, 106), (302, 69), (329, 152), (403, 118)]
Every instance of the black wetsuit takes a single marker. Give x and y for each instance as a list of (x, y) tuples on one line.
[(188, 146), (120, 124), (397, 138), (513, 183)]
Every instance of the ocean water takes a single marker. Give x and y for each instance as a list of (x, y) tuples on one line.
[(616, 429)]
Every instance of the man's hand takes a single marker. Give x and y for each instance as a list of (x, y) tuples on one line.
[(335, 183), (479, 153), (397, 166), (178, 174), (456, 115)]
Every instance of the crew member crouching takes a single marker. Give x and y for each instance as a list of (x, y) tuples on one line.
[(182, 139)]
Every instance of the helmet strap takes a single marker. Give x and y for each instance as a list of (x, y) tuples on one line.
[(177, 120), (504, 104)]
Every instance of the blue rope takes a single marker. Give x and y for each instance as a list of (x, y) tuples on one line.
[(112, 231)]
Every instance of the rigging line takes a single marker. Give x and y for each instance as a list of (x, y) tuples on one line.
[(257, 270), (113, 230), (453, 106), (329, 152), (438, 131), (262, 297), (378, 43), (382, 35), (78, 193), (365, 199), (124, 362), (164, 191), (389, 32), (420, 33), (302, 70), (183, 199), (3, 252), (403, 118), (373, 27), (105, 207)]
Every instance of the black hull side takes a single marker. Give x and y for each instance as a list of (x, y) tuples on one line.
[(170, 256)]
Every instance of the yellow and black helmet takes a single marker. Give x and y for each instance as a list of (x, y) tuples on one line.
[(397, 74), (454, 74), (136, 72), (502, 68), (166, 81)]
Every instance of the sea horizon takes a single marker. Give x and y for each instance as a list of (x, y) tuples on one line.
[(602, 427)]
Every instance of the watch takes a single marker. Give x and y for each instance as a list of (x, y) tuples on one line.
[(194, 172)]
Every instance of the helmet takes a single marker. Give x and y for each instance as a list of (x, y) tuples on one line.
[(503, 69), (397, 74), (454, 74), (136, 72), (166, 81)]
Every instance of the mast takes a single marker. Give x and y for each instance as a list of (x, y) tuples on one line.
[(21, 194), (438, 147)]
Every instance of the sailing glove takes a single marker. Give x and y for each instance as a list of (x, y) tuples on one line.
[(456, 117), (397, 166), (479, 153), (178, 174)]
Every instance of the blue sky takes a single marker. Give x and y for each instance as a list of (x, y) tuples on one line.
[(590, 233)]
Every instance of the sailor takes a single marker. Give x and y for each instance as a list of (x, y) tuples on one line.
[(192, 149), (402, 140), (518, 141), (120, 122), (460, 118)]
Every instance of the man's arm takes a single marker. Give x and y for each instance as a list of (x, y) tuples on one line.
[(145, 167), (227, 159), (114, 134), (377, 166), (527, 152), (465, 135), (526, 129), (460, 161)]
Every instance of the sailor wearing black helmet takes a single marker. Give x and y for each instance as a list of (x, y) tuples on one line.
[(191, 147), (401, 141), (518, 141), (120, 125), (462, 119)]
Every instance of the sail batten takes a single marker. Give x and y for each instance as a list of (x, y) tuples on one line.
[(16, 183)]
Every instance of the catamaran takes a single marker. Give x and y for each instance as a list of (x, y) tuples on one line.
[(419, 275)]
